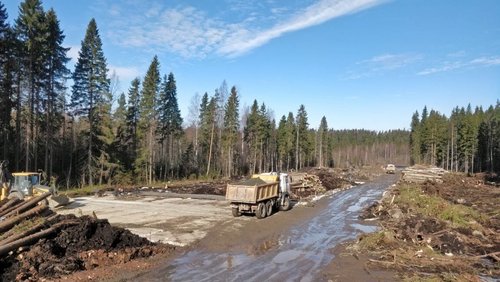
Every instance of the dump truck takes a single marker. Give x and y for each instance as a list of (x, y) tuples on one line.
[(262, 195)]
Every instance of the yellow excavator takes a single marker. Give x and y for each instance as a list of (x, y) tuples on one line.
[(26, 185)]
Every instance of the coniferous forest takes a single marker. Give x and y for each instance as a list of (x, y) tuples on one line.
[(72, 123), (467, 141)]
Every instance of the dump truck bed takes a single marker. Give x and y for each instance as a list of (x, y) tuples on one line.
[(251, 191)]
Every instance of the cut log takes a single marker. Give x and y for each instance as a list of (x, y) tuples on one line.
[(29, 204), (28, 232), (4, 201), (7, 224), (17, 205), (10, 203), (26, 241)]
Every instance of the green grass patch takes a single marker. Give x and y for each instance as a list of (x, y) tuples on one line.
[(434, 206)]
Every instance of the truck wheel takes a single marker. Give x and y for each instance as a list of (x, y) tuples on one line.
[(286, 204), (261, 210), (236, 212), (269, 208)]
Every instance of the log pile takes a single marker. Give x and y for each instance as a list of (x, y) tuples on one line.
[(14, 212), (304, 185), (317, 181), (420, 174)]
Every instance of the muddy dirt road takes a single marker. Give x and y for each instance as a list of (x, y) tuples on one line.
[(292, 246)]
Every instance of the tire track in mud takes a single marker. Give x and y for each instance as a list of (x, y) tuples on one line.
[(299, 254)]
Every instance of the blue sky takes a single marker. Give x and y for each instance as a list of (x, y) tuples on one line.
[(361, 63)]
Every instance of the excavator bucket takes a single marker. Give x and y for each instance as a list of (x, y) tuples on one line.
[(58, 200), (55, 200)]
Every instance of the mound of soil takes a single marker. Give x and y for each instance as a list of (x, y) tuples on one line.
[(89, 244)]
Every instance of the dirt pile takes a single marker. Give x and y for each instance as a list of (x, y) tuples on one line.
[(80, 243), (433, 227)]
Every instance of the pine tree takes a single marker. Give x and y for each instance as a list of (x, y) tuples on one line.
[(415, 139), (90, 89), (231, 129), (148, 119)]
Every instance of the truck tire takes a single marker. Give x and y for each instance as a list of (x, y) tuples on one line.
[(286, 204), (236, 212), (260, 212), (269, 208)]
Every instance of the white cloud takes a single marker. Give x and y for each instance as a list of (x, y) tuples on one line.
[(391, 61), (381, 64), (190, 32), (315, 14), (486, 61), (124, 73), (455, 65)]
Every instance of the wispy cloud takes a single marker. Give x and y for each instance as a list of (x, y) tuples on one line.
[(192, 33), (124, 73), (315, 14), (455, 65), (382, 63)]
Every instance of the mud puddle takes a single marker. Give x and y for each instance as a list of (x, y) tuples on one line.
[(298, 254)]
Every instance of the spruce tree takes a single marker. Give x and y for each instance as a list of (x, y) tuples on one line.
[(231, 129), (131, 123), (302, 138), (170, 120), (251, 137), (31, 30), (6, 82), (415, 139), (323, 140), (56, 74), (90, 90), (148, 119), (290, 139), (119, 147)]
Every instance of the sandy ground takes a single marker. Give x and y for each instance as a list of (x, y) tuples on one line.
[(176, 221)]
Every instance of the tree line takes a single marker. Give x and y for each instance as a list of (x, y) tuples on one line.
[(467, 141), (88, 134)]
